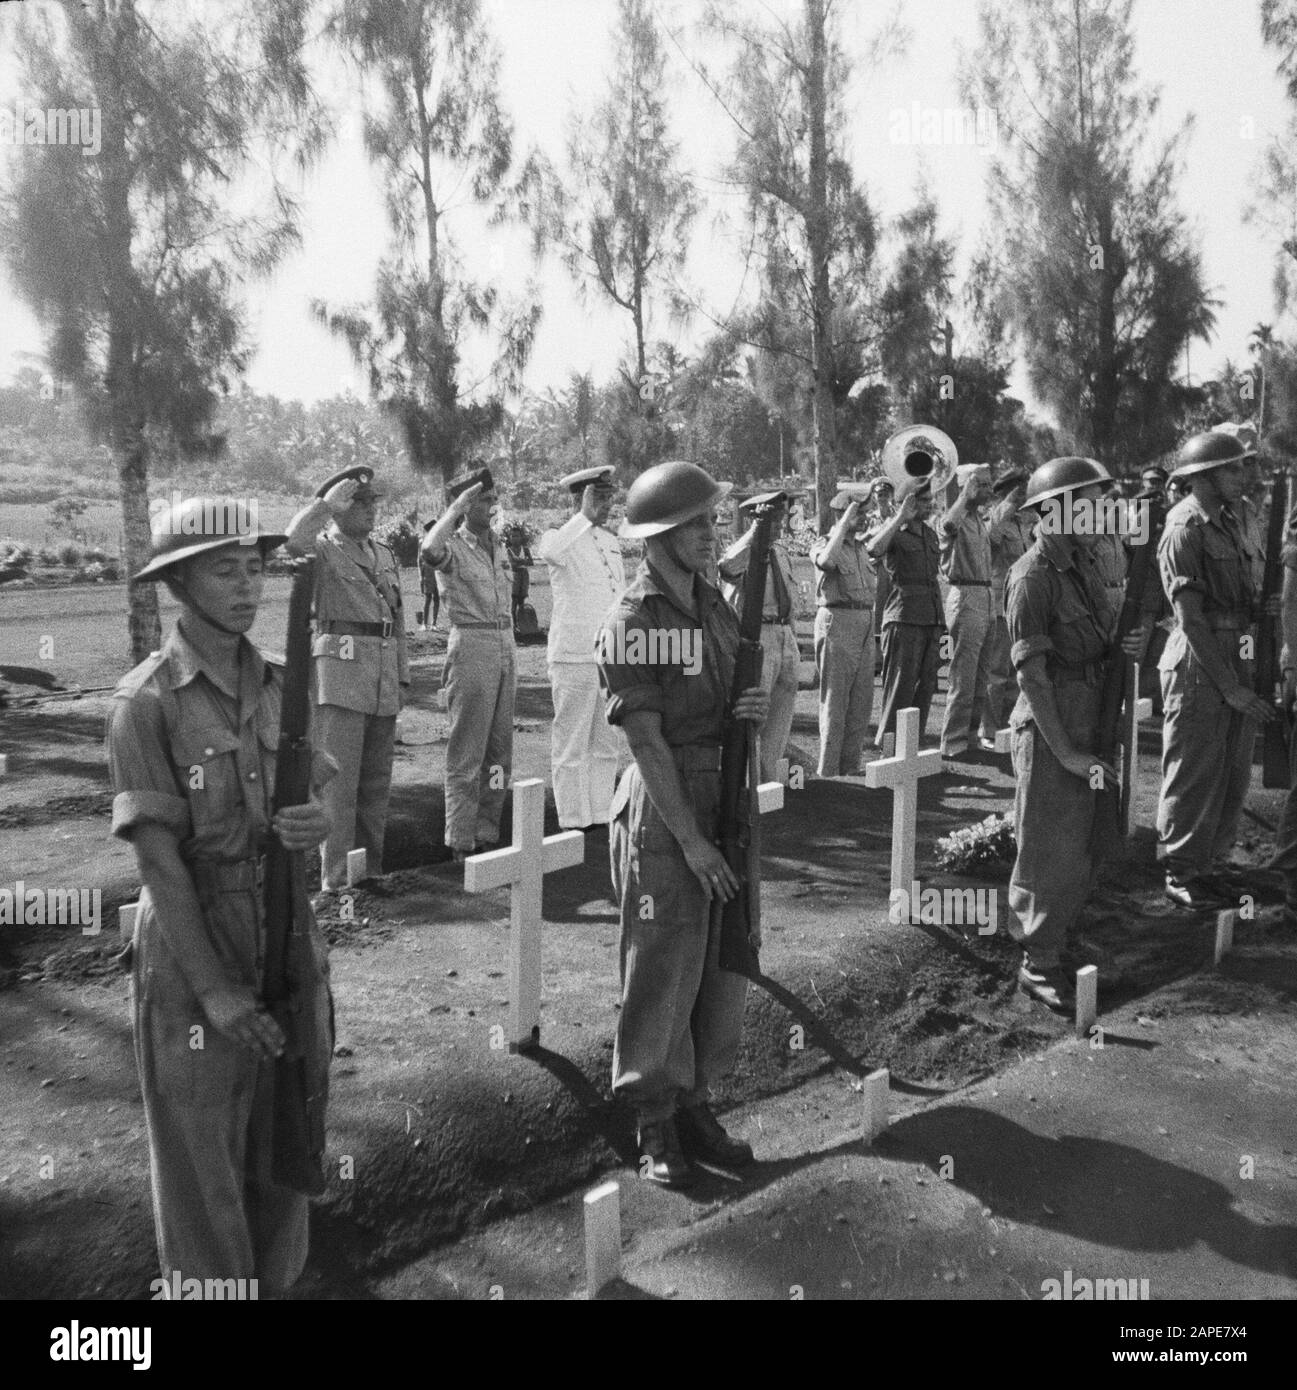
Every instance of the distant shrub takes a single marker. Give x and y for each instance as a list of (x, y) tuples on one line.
[(404, 540), (69, 555), (96, 556), (47, 555), (20, 556)]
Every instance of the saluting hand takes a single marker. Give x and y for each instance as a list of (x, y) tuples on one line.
[(302, 827), (459, 507), (910, 506), (244, 1020), (341, 495)]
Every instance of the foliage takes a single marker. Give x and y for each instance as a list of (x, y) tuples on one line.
[(986, 848), (69, 555), (404, 539)]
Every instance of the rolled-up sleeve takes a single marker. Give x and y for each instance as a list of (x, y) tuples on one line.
[(1180, 561), (1027, 611), (631, 686), (143, 776)]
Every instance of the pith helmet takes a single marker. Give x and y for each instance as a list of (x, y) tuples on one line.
[(1213, 449), (667, 495), (196, 524), (1063, 475)]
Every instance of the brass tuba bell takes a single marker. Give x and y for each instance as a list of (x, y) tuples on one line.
[(919, 454)]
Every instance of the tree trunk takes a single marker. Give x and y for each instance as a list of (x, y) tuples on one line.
[(1103, 423), (823, 424)]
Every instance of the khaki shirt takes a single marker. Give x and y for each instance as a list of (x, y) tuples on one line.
[(1009, 536), (851, 578), (478, 588), (912, 562), (1056, 606), (1209, 555), (191, 747), (966, 550), (358, 583), (1112, 564), (692, 706)]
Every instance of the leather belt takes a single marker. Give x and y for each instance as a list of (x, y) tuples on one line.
[(777, 622), (850, 603), (342, 628), (239, 875), (697, 757), (497, 623), (1226, 623), (971, 583)]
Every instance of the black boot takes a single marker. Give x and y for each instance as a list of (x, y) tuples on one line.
[(702, 1136)]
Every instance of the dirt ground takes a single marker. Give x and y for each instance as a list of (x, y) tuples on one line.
[(446, 1135)]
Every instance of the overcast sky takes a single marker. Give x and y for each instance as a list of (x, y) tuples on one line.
[(1206, 55)]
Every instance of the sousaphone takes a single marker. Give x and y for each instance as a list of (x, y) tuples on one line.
[(919, 454)]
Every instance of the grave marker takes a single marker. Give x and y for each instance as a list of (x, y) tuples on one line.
[(521, 867), (902, 774), (602, 1238), (1087, 999)]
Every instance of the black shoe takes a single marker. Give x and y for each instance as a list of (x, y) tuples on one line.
[(702, 1136), (1199, 894), (1050, 985), (661, 1160)]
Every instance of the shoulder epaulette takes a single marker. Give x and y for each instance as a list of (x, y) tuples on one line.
[(135, 678)]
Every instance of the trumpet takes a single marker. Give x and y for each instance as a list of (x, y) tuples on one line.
[(919, 454)]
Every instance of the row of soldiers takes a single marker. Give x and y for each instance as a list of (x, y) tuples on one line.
[(210, 701)]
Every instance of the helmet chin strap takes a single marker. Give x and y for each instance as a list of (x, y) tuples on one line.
[(190, 601)]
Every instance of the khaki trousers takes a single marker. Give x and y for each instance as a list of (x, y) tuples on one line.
[(480, 681), (911, 656), (681, 1018), (584, 747), (968, 618), (780, 666), (845, 659), (356, 799)]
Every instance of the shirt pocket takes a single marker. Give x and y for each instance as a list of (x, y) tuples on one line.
[(1224, 570), (206, 760)]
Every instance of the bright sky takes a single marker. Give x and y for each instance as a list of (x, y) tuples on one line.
[(1206, 55)]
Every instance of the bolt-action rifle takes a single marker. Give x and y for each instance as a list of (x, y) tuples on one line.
[(1276, 734), (1112, 812), (739, 830), (294, 988)]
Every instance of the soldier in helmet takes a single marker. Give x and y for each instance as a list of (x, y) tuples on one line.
[(1061, 625), (667, 652), (190, 738), (1208, 568), (361, 668), (1009, 530)]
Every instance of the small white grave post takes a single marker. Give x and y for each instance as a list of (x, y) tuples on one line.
[(4, 764), (357, 866), (1136, 710), (876, 1090), (521, 867), (602, 1238), (126, 915), (902, 774), (1087, 999), (1224, 934)]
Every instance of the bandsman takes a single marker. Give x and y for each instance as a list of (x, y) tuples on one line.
[(480, 673), (191, 738), (781, 656), (586, 577), (908, 549), (361, 668), (1061, 628), (845, 597), (681, 1016), (1208, 568)]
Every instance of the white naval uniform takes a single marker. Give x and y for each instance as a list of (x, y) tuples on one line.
[(586, 578)]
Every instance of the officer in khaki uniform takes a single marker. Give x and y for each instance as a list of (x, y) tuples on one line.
[(1010, 532), (1208, 567), (1061, 628), (361, 669), (907, 548), (845, 597), (1285, 851), (480, 673), (781, 658), (681, 1016), (191, 741), (966, 566)]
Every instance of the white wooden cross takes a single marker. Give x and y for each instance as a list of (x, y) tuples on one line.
[(1136, 709), (521, 867), (770, 795), (902, 774), (1004, 740)]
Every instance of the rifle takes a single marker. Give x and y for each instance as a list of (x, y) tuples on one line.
[(293, 981), (1276, 734), (739, 834), (1112, 810)]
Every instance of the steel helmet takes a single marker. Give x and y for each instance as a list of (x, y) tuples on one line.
[(1212, 449), (196, 524), (1062, 475), (667, 495)]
